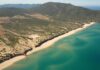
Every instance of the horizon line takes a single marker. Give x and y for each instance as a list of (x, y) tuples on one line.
[(46, 2)]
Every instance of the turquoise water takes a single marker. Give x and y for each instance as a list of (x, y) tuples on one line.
[(80, 51)]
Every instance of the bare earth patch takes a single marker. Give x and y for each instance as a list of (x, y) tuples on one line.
[(39, 16)]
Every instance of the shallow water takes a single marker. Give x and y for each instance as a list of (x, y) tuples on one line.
[(80, 51)]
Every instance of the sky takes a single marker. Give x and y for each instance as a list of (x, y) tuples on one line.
[(75, 2)]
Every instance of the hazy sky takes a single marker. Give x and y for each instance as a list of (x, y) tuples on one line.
[(75, 2)]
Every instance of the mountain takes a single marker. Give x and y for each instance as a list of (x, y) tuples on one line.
[(22, 6), (66, 12), (12, 11), (25, 27), (54, 10)]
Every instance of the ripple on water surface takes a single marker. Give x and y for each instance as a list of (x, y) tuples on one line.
[(80, 51)]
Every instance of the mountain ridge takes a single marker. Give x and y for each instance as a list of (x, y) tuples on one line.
[(22, 6)]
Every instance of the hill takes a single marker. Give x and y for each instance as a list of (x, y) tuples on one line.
[(22, 6), (67, 12), (25, 28), (12, 12)]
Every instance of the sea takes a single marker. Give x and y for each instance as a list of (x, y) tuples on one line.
[(80, 51)]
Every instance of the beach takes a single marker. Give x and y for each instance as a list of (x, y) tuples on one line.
[(43, 46)]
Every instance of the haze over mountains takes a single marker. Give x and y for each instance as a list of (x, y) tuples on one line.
[(19, 24), (93, 7), (25, 6), (58, 11)]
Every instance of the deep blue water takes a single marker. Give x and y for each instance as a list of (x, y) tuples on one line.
[(80, 51)]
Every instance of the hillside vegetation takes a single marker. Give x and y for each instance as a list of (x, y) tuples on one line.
[(24, 29)]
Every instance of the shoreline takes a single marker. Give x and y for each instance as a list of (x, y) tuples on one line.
[(43, 46)]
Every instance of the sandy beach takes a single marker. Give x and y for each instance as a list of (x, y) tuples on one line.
[(43, 46)]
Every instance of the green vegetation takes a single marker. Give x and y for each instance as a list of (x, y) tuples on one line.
[(19, 23)]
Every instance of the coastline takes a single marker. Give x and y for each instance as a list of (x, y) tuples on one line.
[(43, 46)]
